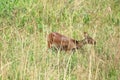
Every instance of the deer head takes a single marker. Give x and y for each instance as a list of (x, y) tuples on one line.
[(87, 40)]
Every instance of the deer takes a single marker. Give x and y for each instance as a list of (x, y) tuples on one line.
[(61, 42)]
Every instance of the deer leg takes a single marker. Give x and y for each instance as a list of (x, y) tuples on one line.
[(49, 44), (68, 49), (69, 52), (73, 50)]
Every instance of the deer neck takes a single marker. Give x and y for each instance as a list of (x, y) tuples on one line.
[(81, 43)]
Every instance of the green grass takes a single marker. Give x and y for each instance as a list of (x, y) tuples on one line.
[(25, 24)]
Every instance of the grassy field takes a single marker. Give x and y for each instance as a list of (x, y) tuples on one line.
[(25, 24)]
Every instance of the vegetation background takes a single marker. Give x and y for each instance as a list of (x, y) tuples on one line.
[(24, 25)]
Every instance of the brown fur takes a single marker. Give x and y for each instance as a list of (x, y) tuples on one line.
[(62, 42)]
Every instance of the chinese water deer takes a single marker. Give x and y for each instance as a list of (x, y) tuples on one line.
[(61, 42)]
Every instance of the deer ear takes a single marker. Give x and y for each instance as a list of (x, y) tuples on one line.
[(85, 34)]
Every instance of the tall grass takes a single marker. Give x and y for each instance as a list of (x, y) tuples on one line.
[(25, 24)]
